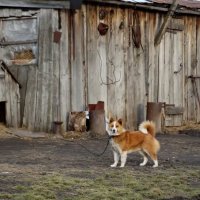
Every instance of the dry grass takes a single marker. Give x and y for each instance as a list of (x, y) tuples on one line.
[(71, 135), (107, 184), (186, 126), (4, 131)]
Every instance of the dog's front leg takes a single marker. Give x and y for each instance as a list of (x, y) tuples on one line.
[(123, 158), (116, 159)]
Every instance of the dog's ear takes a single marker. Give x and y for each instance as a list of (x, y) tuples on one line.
[(111, 120), (120, 121)]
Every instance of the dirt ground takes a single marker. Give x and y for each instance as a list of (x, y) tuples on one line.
[(35, 157)]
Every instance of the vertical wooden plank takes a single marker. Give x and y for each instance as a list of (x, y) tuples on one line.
[(18, 98), (155, 21), (65, 68), (128, 111), (164, 69), (96, 57), (2, 85), (171, 75), (190, 61), (119, 63), (111, 65), (159, 20), (30, 112), (11, 101), (147, 41), (77, 81), (102, 44), (198, 66), (178, 72), (140, 72), (93, 59), (137, 72), (14, 102), (194, 68), (115, 60), (54, 75), (45, 64), (185, 63), (8, 103), (22, 77), (128, 72), (85, 48)]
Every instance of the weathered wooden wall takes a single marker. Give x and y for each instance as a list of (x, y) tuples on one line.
[(48, 85), (9, 93), (85, 67), (148, 73)]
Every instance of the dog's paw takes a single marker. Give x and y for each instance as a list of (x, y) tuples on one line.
[(142, 164), (154, 166), (113, 165)]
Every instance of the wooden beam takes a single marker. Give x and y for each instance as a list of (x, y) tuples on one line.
[(2, 63), (174, 110), (18, 42), (164, 26), (191, 76), (2, 75)]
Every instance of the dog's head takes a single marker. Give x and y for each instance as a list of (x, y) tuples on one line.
[(115, 126)]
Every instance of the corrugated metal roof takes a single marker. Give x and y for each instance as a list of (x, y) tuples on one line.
[(138, 1), (186, 3), (184, 7)]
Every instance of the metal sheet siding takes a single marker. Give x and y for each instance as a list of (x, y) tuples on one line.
[(138, 1), (186, 3)]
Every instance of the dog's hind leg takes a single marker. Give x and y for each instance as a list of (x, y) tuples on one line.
[(116, 159), (144, 157), (123, 158), (153, 156), (155, 163)]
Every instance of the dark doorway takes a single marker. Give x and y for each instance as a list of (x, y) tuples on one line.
[(3, 112)]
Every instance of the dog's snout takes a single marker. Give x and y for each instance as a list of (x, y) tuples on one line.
[(113, 130)]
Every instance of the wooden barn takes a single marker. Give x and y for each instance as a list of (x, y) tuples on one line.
[(9, 97), (126, 53)]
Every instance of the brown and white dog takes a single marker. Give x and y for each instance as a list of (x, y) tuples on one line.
[(124, 142)]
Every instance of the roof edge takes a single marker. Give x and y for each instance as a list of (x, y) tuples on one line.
[(143, 6), (35, 4)]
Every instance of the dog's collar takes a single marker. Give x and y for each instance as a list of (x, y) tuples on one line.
[(112, 136)]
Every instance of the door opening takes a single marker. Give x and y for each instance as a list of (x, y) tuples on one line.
[(3, 112)]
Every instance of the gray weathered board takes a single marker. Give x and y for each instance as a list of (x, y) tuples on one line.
[(9, 93)]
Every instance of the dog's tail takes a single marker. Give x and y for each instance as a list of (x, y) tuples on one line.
[(148, 127)]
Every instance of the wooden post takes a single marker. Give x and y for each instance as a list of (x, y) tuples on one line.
[(163, 28)]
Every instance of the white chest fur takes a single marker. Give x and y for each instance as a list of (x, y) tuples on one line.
[(115, 146)]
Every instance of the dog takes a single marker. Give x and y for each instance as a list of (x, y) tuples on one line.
[(124, 142)]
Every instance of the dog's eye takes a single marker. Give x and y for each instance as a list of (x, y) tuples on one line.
[(111, 126), (117, 126)]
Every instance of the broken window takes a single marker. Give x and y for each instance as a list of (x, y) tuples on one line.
[(18, 41)]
